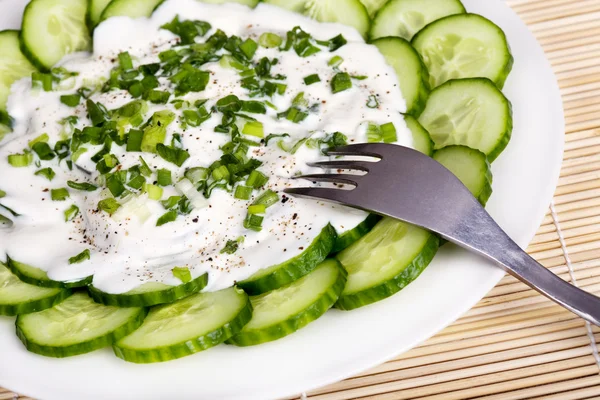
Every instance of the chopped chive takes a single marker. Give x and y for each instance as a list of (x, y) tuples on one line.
[(335, 61), (42, 138), (182, 273), (60, 194), (336, 42), (43, 151), (253, 128), (243, 192), (47, 173), (125, 61), (154, 192), (134, 140), (340, 82), (267, 198), (84, 255), (145, 169), (359, 77), (248, 47), (164, 177), (83, 186), (270, 40), (196, 174), (253, 222), (41, 80), (388, 133), (310, 79), (172, 154), (372, 102), (71, 100), (71, 213), (256, 179), (169, 216), (109, 205), (220, 173), (20, 160), (75, 156)]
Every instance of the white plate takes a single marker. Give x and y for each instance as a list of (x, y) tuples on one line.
[(340, 344)]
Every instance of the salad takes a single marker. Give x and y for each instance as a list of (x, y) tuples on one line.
[(145, 146)]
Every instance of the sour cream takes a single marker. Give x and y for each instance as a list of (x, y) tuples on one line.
[(128, 249)]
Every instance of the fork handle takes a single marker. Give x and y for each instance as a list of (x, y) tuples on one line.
[(497, 246)]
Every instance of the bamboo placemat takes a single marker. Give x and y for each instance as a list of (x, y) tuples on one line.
[(515, 344)]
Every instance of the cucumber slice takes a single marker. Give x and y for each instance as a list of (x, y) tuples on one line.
[(38, 277), (249, 3), (149, 294), (384, 261), (78, 325), (471, 167), (347, 238), (373, 6), (348, 12), (94, 12), (283, 311), (187, 326), (464, 46), (51, 29), (469, 112), (421, 140), (129, 8), (405, 18), (412, 74), (287, 272), (17, 297), (13, 64)]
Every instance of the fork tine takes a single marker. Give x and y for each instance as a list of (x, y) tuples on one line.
[(343, 164), (333, 178), (334, 195), (359, 149)]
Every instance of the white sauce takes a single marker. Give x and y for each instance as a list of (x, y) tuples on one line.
[(127, 250)]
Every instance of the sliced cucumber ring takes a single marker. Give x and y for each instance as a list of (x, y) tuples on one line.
[(405, 18), (471, 167), (18, 297), (283, 311), (287, 272), (469, 112), (249, 3), (78, 325), (412, 74), (187, 326), (38, 277), (348, 12), (94, 12), (421, 140), (129, 8), (464, 46), (52, 29), (373, 6), (13, 64), (150, 293), (384, 261), (347, 238)]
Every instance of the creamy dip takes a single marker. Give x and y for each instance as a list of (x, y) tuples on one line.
[(128, 249)]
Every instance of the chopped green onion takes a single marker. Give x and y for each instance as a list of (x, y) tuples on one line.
[(20, 160), (42, 138), (43, 80), (164, 177), (171, 202), (275, 136), (243, 192), (293, 114), (2, 194), (172, 154), (248, 73), (187, 30), (340, 82), (372, 102), (388, 133), (232, 245), (43, 151), (220, 173), (47, 173), (97, 112), (145, 169), (114, 184), (253, 128), (182, 273), (228, 61), (169, 216), (196, 174), (310, 79), (373, 133), (152, 137), (109, 205), (71, 213), (59, 194), (125, 61), (154, 192), (281, 88), (267, 198), (134, 140), (253, 221), (83, 186), (230, 103), (336, 42), (110, 160), (256, 179), (84, 255), (270, 40), (75, 156), (157, 96), (137, 182), (335, 61), (249, 48), (257, 209), (299, 100), (71, 100), (255, 107), (359, 77)]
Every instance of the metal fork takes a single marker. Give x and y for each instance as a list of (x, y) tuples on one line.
[(414, 188)]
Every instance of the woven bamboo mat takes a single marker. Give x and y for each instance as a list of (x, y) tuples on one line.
[(515, 344)]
